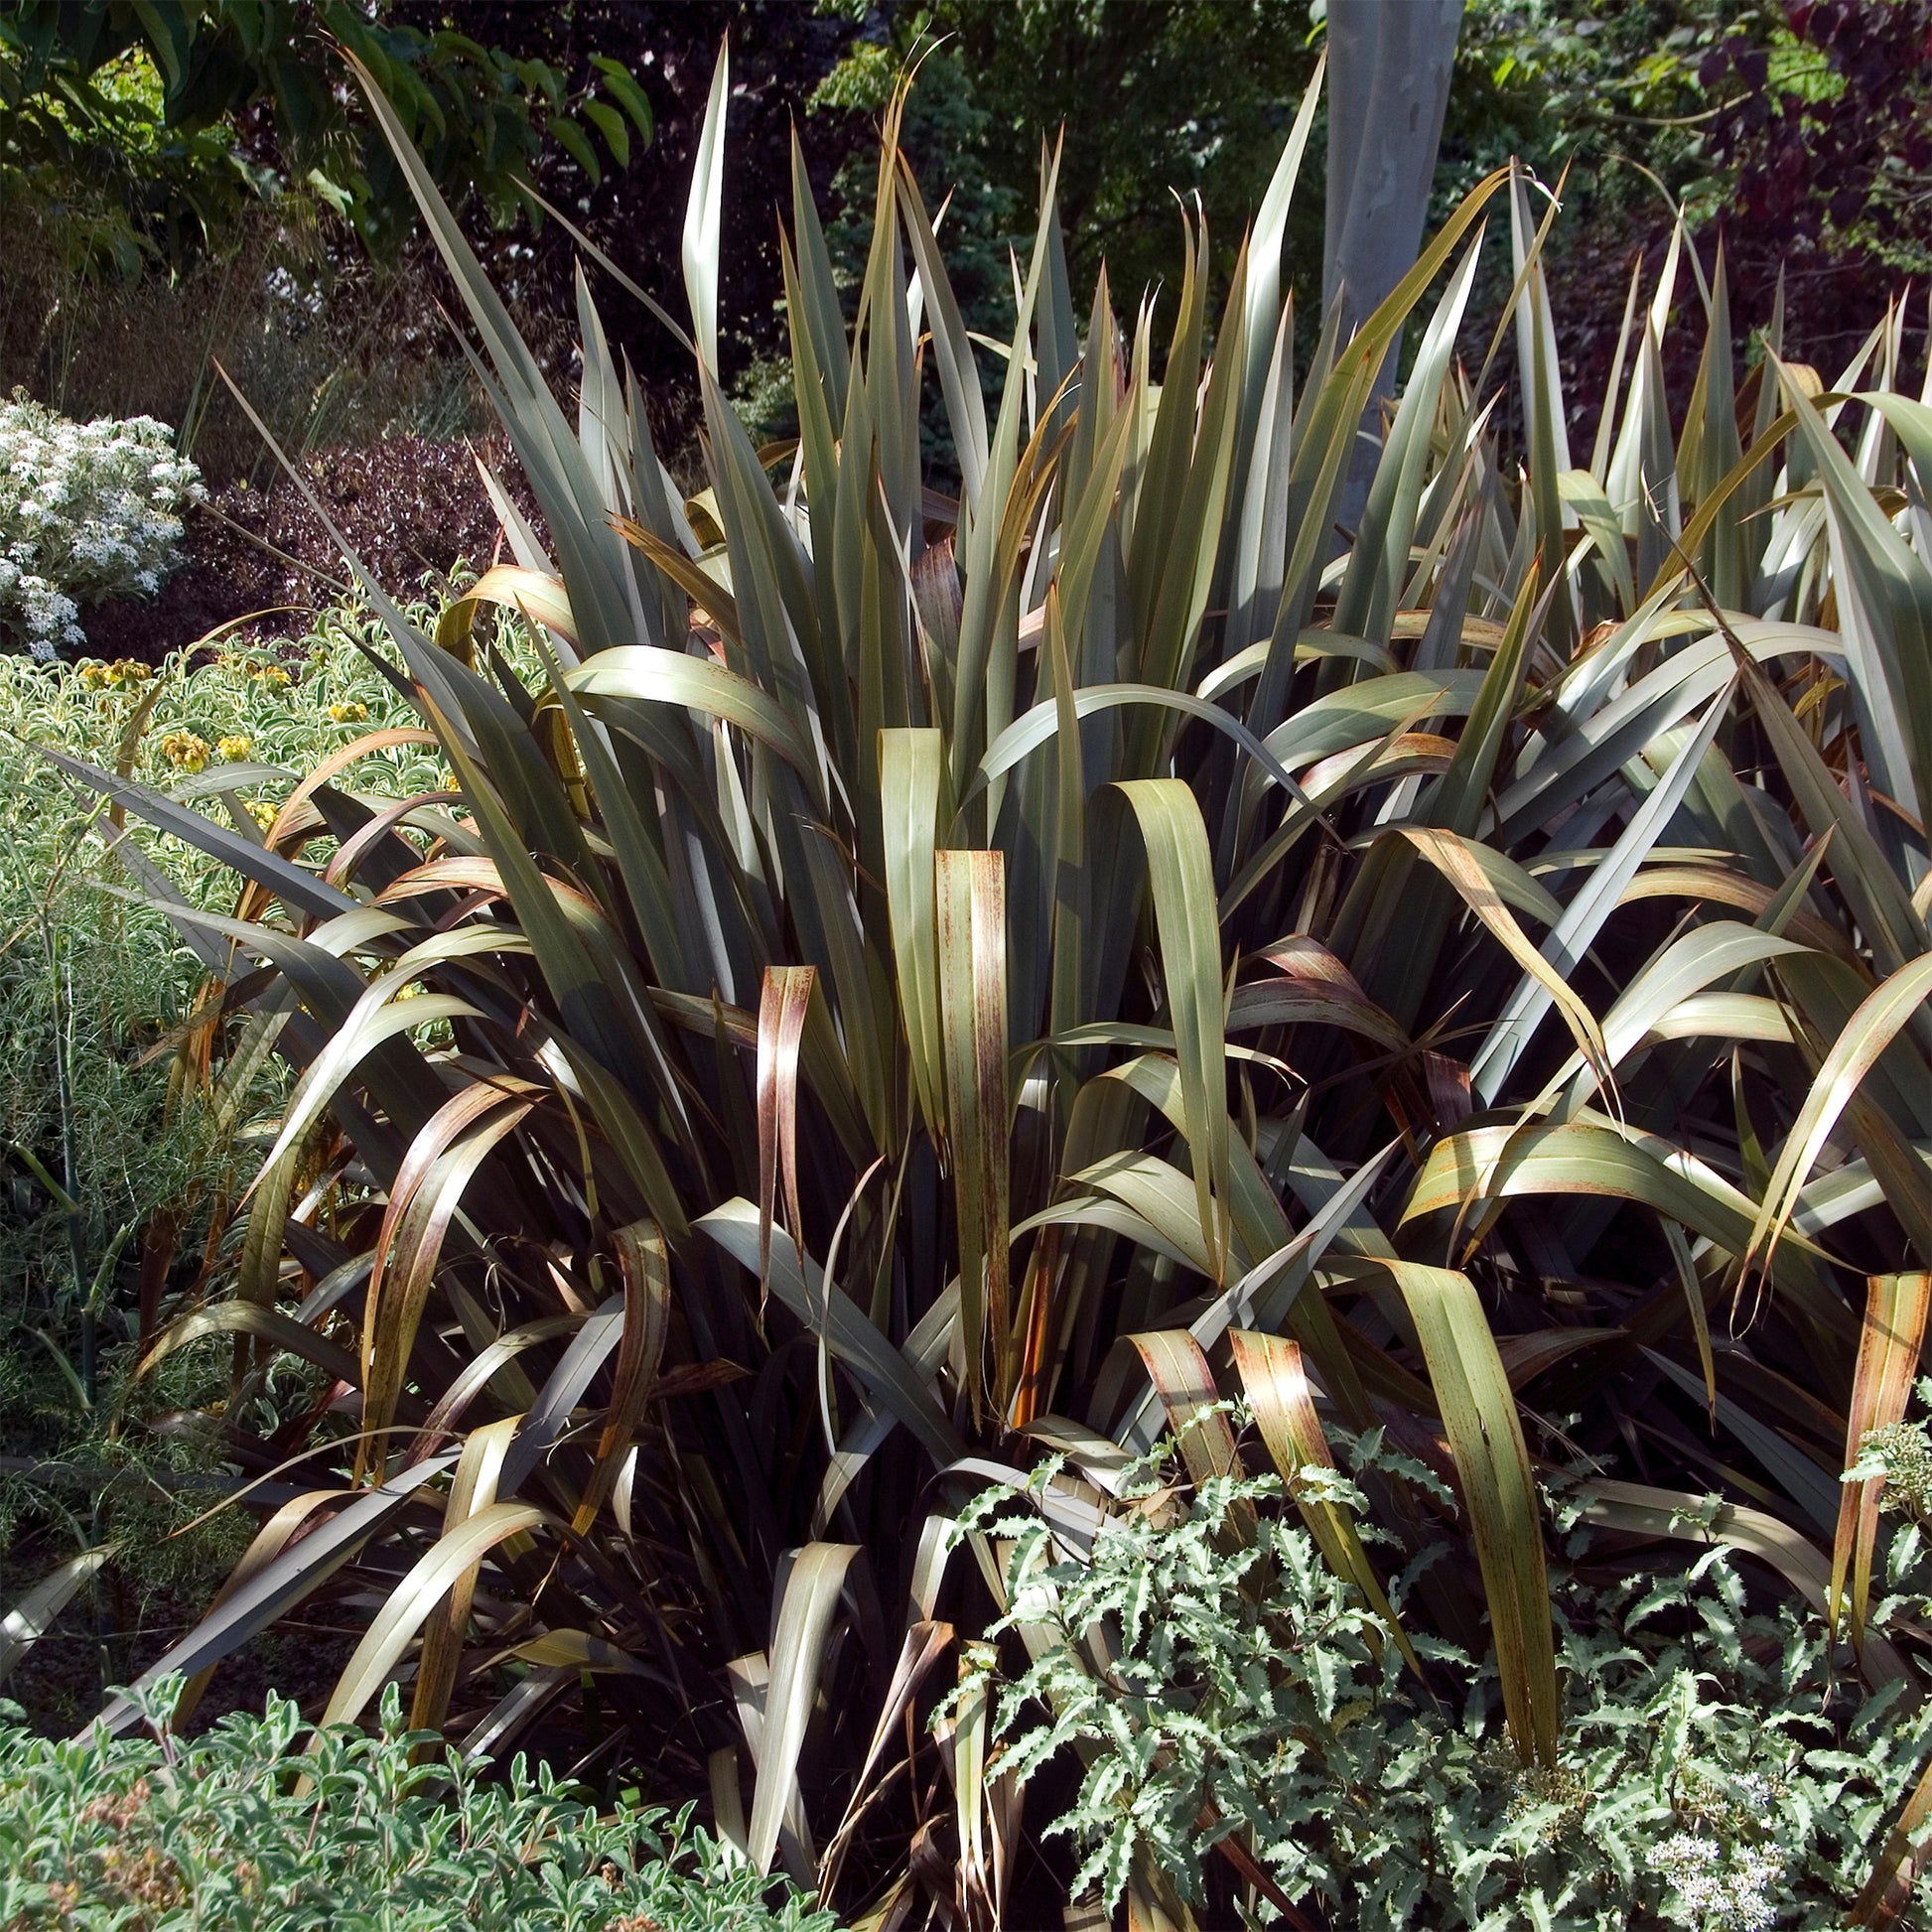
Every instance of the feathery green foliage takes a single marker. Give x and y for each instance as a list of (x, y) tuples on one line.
[(115, 1163)]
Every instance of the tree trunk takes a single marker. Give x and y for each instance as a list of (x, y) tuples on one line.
[(1389, 65)]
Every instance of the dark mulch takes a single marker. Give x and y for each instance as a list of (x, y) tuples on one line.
[(409, 508), (63, 1680)]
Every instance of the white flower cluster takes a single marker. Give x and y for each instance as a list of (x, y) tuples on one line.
[(1721, 1891), (87, 511)]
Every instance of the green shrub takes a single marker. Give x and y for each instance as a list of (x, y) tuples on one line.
[(1900, 1454), (1715, 1772), (90, 981), (105, 1150), (239, 1829)]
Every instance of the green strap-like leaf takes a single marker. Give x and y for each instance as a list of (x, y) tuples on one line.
[(1888, 1354), (1181, 872), (410, 1605), (1276, 1387), (32, 1615), (704, 213), (912, 773), (280, 1584), (970, 908), (888, 1377), (644, 675), (1498, 1492), (1869, 1030), (798, 1654)]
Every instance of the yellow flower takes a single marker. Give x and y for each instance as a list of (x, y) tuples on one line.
[(232, 748), (273, 677), (349, 714), (187, 751), (262, 812), (96, 676)]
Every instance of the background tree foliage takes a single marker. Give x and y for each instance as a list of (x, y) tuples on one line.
[(264, 74), (160, 147)]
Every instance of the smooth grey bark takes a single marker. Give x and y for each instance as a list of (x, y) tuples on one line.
[(1389, 63)]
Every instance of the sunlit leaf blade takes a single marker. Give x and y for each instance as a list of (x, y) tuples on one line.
[(1498, 1491), (912, 773), (1889, 1010), (883, 1370), (32, 1615), (644, 1267), (267, 1544), (1890, 1888), (1277, 1388), (1181, 872), (406, 1255), (271, 1326), (705, 214), (472, 1490), (1889, 1354), (1185, 1384), (284, 1583), (781, 1026), (970, 906), (412, 1602), (811, 1595), (1884, 592), (1458, 863)]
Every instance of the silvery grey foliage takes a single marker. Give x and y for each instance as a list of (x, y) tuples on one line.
[(262, 1825), (1715, 1773), (1900, 1455)]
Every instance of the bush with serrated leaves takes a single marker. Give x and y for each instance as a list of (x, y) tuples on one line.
[(1715, 1773)]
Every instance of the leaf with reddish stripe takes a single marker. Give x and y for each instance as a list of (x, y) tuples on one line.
[(1277, 1388), (472, 1489), (1185, 1385), (408, 1606), (1888, 1352), (646, 1271), (781, 1027), (406, 1257), (969, 896)]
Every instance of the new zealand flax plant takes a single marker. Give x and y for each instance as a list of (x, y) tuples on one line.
[(935, 975)]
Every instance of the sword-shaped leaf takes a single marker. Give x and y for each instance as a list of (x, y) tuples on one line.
[(1888, 1352), (1499, 1493), (1276, 1387), (798, 1652), (969, 895), (1181, 872)]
